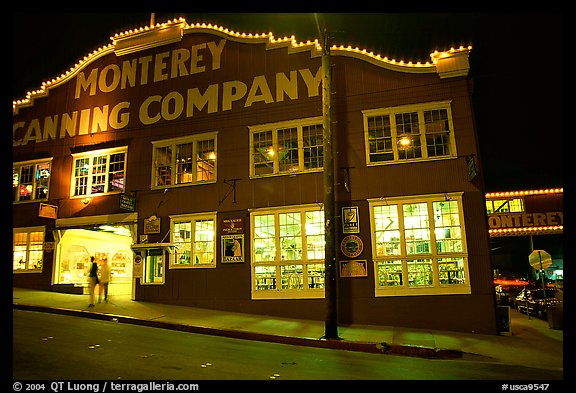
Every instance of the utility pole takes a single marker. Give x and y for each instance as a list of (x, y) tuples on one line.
[(330, 287)]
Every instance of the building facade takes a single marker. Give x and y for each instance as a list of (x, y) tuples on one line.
[(190, 158)]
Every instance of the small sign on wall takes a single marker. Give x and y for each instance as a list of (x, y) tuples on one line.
[(350, 222), (353, 268), (152, 225)]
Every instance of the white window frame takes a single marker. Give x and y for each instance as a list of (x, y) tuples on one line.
[(274, 127), (420, 109), (192, 218), (173, 142), (91, 155), (278, 293), (436, 288), (28, 231), (35, 182)]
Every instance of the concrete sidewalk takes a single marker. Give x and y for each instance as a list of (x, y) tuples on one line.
[(532, 342)]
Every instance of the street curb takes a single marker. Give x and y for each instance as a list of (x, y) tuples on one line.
[(357, 346)]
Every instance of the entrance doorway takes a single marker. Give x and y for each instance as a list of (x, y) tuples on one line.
[(107, 244)]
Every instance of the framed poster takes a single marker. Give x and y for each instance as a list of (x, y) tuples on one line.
[(232, 248), (353, 268)]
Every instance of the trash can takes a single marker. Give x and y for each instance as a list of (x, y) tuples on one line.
[(554, 315)]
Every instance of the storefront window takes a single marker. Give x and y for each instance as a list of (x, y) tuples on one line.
[(288, 252), (28, 249), (418, 246), (193, 239)]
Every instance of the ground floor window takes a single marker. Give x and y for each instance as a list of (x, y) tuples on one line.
[(28, 249), (193, 236), (287, 252), (418, 245), (154, 262)]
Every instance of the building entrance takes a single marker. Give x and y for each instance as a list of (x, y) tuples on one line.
[(108, 244)]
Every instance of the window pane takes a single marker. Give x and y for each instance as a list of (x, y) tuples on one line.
[(380, 139), (204, 242), (292, 277), (116, 172), (288, 150), (313, 146), (98, 174), (182, 242), (154, 267), (408, 134), (264, 238), (420, 272), (447, 227), (386, 232), (163, 165), (315, 241), (205, 160), (265, 277), (316, 275), (36, 251), (42, 180), (416, 228), (81, 171), (20, 246), (451, 270), (184, 163), (263, 153), (437, 131), (390, 273), (290, 237)]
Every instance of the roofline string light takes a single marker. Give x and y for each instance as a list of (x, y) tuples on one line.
[(508, 194), (272, 42)]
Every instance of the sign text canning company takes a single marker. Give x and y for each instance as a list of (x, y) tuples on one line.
[(151, 69)]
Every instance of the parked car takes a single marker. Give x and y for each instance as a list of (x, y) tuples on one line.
[(534, 301), (505, 294)]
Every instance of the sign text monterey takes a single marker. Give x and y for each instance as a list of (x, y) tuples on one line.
[(151, 69)]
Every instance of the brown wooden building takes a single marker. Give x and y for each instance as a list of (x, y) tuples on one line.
[(190, 158)]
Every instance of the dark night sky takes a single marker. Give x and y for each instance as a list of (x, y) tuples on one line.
[(516, 63)]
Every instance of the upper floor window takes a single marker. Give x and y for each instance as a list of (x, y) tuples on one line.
[(193, 237), (408, 133), (30, 180), (514, 205), (28, 249), (286, 147), (418, 246), (99, 172), (186, 160)]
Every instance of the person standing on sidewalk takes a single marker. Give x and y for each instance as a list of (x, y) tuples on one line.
[(92, 281), (104, 280)]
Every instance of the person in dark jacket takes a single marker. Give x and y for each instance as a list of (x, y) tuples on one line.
[(93, 281)]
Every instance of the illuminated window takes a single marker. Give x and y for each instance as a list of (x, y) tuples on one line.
[(100, 172), (182, 161), (287, 147), (409, 133), (512, 205), (28, 249), (288, 253), (193, 237), (30, 180), (418, 246)]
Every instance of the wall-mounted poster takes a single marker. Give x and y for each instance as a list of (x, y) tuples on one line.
[(354, 268), (232, 248)]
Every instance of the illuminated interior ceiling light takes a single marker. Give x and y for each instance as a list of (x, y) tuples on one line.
[(405, 142)]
